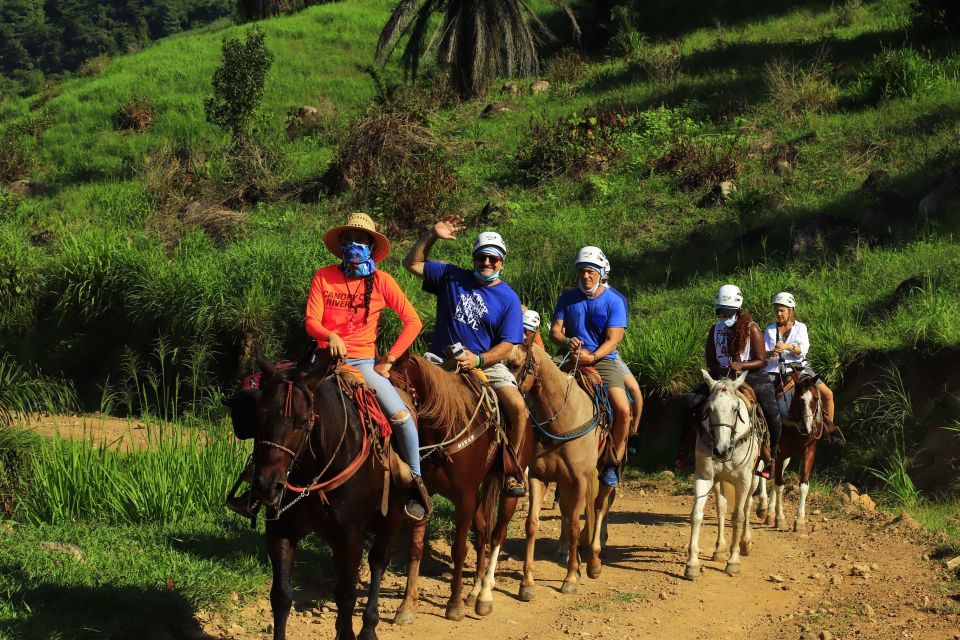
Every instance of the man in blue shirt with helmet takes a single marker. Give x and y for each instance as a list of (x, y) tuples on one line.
[(481, 312), (590, 322)]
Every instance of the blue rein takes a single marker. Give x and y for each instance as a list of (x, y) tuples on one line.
[(602, 409)]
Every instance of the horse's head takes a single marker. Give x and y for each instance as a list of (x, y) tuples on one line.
[(286, 414), (727, 415), (524, 363), (805, 409)]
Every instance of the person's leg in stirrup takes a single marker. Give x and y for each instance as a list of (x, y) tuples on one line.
[(511, 402)]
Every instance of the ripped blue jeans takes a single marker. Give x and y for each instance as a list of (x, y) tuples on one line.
[(392, 404)]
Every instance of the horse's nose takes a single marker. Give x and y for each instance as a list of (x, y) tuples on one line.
[(266, 489), (718, 451)]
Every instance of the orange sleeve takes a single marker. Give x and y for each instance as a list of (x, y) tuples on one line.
[(315, 303), (538, 340), (397, 300)]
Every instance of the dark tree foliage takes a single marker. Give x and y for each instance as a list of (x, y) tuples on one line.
[(260, 9), (936, 17), (476, 39), (39, 38), (238, 84)]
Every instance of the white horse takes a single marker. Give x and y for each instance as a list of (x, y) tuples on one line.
[(731, 459)]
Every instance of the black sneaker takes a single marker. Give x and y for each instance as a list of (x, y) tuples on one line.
[(514, 488)]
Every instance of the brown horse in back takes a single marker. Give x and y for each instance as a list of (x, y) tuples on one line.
[(803, 427), (460, 445), (317, 469)]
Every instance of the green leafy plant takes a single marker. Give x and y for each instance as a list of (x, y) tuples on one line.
[(238, 84), (797, 88), (902, 73)]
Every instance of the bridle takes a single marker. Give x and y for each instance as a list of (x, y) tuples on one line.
[(739, 440), (530, 366)]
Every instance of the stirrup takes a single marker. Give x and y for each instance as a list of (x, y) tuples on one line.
[(242, 506), (418, 499)]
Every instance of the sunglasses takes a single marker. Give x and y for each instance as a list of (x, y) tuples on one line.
[(485, 258)]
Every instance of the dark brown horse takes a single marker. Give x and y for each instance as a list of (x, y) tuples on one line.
[(460, 444), (317, 469), (803, 427)]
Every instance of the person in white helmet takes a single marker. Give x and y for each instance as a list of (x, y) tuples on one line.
[(735, 344), (788, 342), (477, 309), (590, 322), (531, 326), (634, 395)]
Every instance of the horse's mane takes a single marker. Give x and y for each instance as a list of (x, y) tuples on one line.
[(444, 398)]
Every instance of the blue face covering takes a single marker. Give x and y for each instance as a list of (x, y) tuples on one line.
[(481, 278), (356, 259), (729, 322)]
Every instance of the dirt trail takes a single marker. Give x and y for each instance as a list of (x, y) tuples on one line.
[(641, 593)]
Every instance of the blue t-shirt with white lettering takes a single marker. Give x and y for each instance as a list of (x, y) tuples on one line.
[(589, 318), (472, 314)]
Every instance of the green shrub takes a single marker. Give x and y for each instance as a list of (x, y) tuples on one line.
[(566, 67), (902, 73), (572, 147), (661, 62), (17, 158), (795, 89), (702, 161), (238, 84), (135, 115)]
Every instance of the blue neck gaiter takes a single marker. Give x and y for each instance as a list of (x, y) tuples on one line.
[(476, 274), (356, 260)]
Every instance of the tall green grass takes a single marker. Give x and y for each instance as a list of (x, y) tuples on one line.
[(182, 473)]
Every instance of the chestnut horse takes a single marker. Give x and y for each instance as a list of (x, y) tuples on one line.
[(803, 427), (317, 469), (460, 445), (566, 453)]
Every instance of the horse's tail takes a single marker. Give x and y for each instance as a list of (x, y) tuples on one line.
[(490, 499)]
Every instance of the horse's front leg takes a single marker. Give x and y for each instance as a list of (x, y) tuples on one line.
[(463, 516), (387, 530), (347, 553), (780, 519), (738, 520), (481, 545), (720, 551), (533, 527), (601, 507), (281, 551), (507, 508), (701, 490), (405, 613), (806, 469)]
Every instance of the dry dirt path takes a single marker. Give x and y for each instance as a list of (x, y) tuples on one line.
[(641, 593)]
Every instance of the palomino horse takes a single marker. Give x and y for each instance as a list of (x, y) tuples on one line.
[(731, 459), (566, 453), (314, 473), (457, 419), (803, 427)]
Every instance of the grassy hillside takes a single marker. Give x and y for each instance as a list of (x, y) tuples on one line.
[(830, 122)]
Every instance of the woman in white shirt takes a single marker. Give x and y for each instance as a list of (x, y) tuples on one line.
[(787, 342)]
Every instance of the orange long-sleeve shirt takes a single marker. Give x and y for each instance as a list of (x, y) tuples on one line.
[(335, 305)]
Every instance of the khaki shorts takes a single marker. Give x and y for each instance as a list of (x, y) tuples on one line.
[(610, 372), (624, 369), (499, 376)]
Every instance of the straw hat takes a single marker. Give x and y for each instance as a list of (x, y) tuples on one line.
[(358, 220)]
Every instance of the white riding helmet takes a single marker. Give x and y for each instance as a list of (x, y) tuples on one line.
[(593, 257), (531, 320), (785, 298), (490, 243), (729, 297)]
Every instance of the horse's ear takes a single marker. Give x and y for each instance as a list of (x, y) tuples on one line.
[(739, 380), (711, 383), (265, 365)]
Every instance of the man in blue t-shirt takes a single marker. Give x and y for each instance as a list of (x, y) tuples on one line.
[(481, 312), (590, 322)]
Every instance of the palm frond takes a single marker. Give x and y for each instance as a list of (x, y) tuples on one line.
[(396, 26)]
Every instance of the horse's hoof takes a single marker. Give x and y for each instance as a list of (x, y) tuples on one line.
[(719, 556), (403, 618), (594, 570), (455, 613), (367, 634), (471, 601), (733, 568), (778, 524), (745, 548), (483, 608), (770, 520), (526, 592), (799, 526), (691, 572), (568, 587)]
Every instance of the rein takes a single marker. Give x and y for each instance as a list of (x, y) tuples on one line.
[(739, 440)]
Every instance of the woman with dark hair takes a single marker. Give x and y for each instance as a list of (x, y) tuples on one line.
[(343, 315), (735, 344)]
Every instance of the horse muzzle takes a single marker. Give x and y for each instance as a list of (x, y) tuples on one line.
[(267, 489)]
